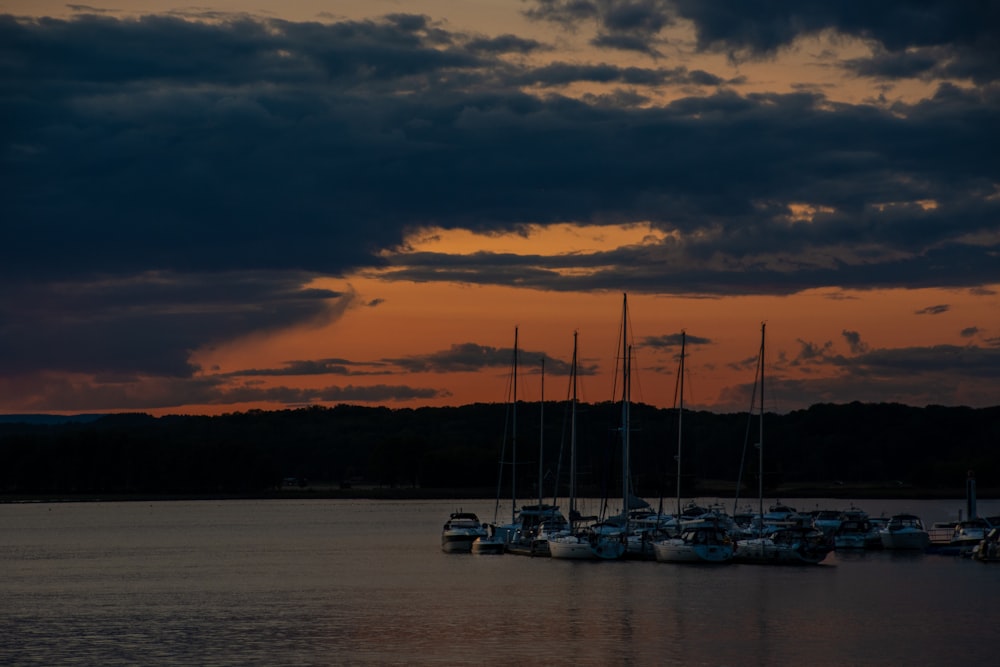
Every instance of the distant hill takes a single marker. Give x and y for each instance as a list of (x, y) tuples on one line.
[(49, 419)]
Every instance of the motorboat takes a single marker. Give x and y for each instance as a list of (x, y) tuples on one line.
[(856, 534), (904, 531), (460, 531)]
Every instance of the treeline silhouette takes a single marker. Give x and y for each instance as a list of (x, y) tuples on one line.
[(471, 448)]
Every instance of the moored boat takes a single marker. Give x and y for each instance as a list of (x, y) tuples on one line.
[(796, 545), (460, 531), (905, 531), (782, 538), (988, 549), (704, 542), (856, 534)]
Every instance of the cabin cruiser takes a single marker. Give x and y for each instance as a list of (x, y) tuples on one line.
[(460, 531), (904, 531)]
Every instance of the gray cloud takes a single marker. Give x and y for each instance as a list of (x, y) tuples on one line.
[(185, 182), (940, 39)]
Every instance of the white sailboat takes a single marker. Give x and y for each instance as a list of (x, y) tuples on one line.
[(576, 545), (783, 546), (525, 534), (701, 540), (495, 542)]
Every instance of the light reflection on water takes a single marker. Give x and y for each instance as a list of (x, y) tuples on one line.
[(334, 582)]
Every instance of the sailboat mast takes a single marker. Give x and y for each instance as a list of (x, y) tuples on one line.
[(541, 436), (513, 456), (680, 415), (626, 399), (760, 441), (572, 439)]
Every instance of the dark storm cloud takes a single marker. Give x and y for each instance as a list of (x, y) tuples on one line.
[(274, 145), (936, 38), (148, 323), (171, 183)]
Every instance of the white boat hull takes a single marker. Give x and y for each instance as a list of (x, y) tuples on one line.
[(905, 539), (571, 548), (457, 543), (679, 551)]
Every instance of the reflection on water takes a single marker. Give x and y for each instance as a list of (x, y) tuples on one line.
[(331, 582)]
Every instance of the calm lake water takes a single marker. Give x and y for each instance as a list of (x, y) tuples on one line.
[(360, 582)]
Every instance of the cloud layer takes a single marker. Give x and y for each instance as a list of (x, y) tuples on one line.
[(176, 181)]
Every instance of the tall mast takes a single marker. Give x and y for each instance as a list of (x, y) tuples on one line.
[(760, 442), (541, 437), (626, 399), (572, 439), (680, 415), (513, 456)]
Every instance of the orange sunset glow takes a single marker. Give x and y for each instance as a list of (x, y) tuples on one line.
[(226, 208)]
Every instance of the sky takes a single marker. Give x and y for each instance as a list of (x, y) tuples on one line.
[(260, 205)]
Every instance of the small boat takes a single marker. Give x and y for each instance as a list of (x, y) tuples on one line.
[(704, 542), (460, 531), (856, 534), (796, 545), (988, 549), (526, 536), (905, 531), (968, 534), (493, 543)]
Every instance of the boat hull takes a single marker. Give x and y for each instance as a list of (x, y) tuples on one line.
[(679, 551), (454, 544), (766, 552), (485, 546), (905, 540), (571, 549)]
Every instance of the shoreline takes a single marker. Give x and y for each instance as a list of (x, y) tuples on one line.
[(323, 492)]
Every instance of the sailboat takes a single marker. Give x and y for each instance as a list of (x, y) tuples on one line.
[(701, 540), (577, 544), (785, 545), (525, 534), (495, 542), (612, 535)]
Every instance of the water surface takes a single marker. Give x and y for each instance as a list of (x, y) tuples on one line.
[(364, 582)]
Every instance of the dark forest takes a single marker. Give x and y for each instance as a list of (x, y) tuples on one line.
[(350, 450)]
